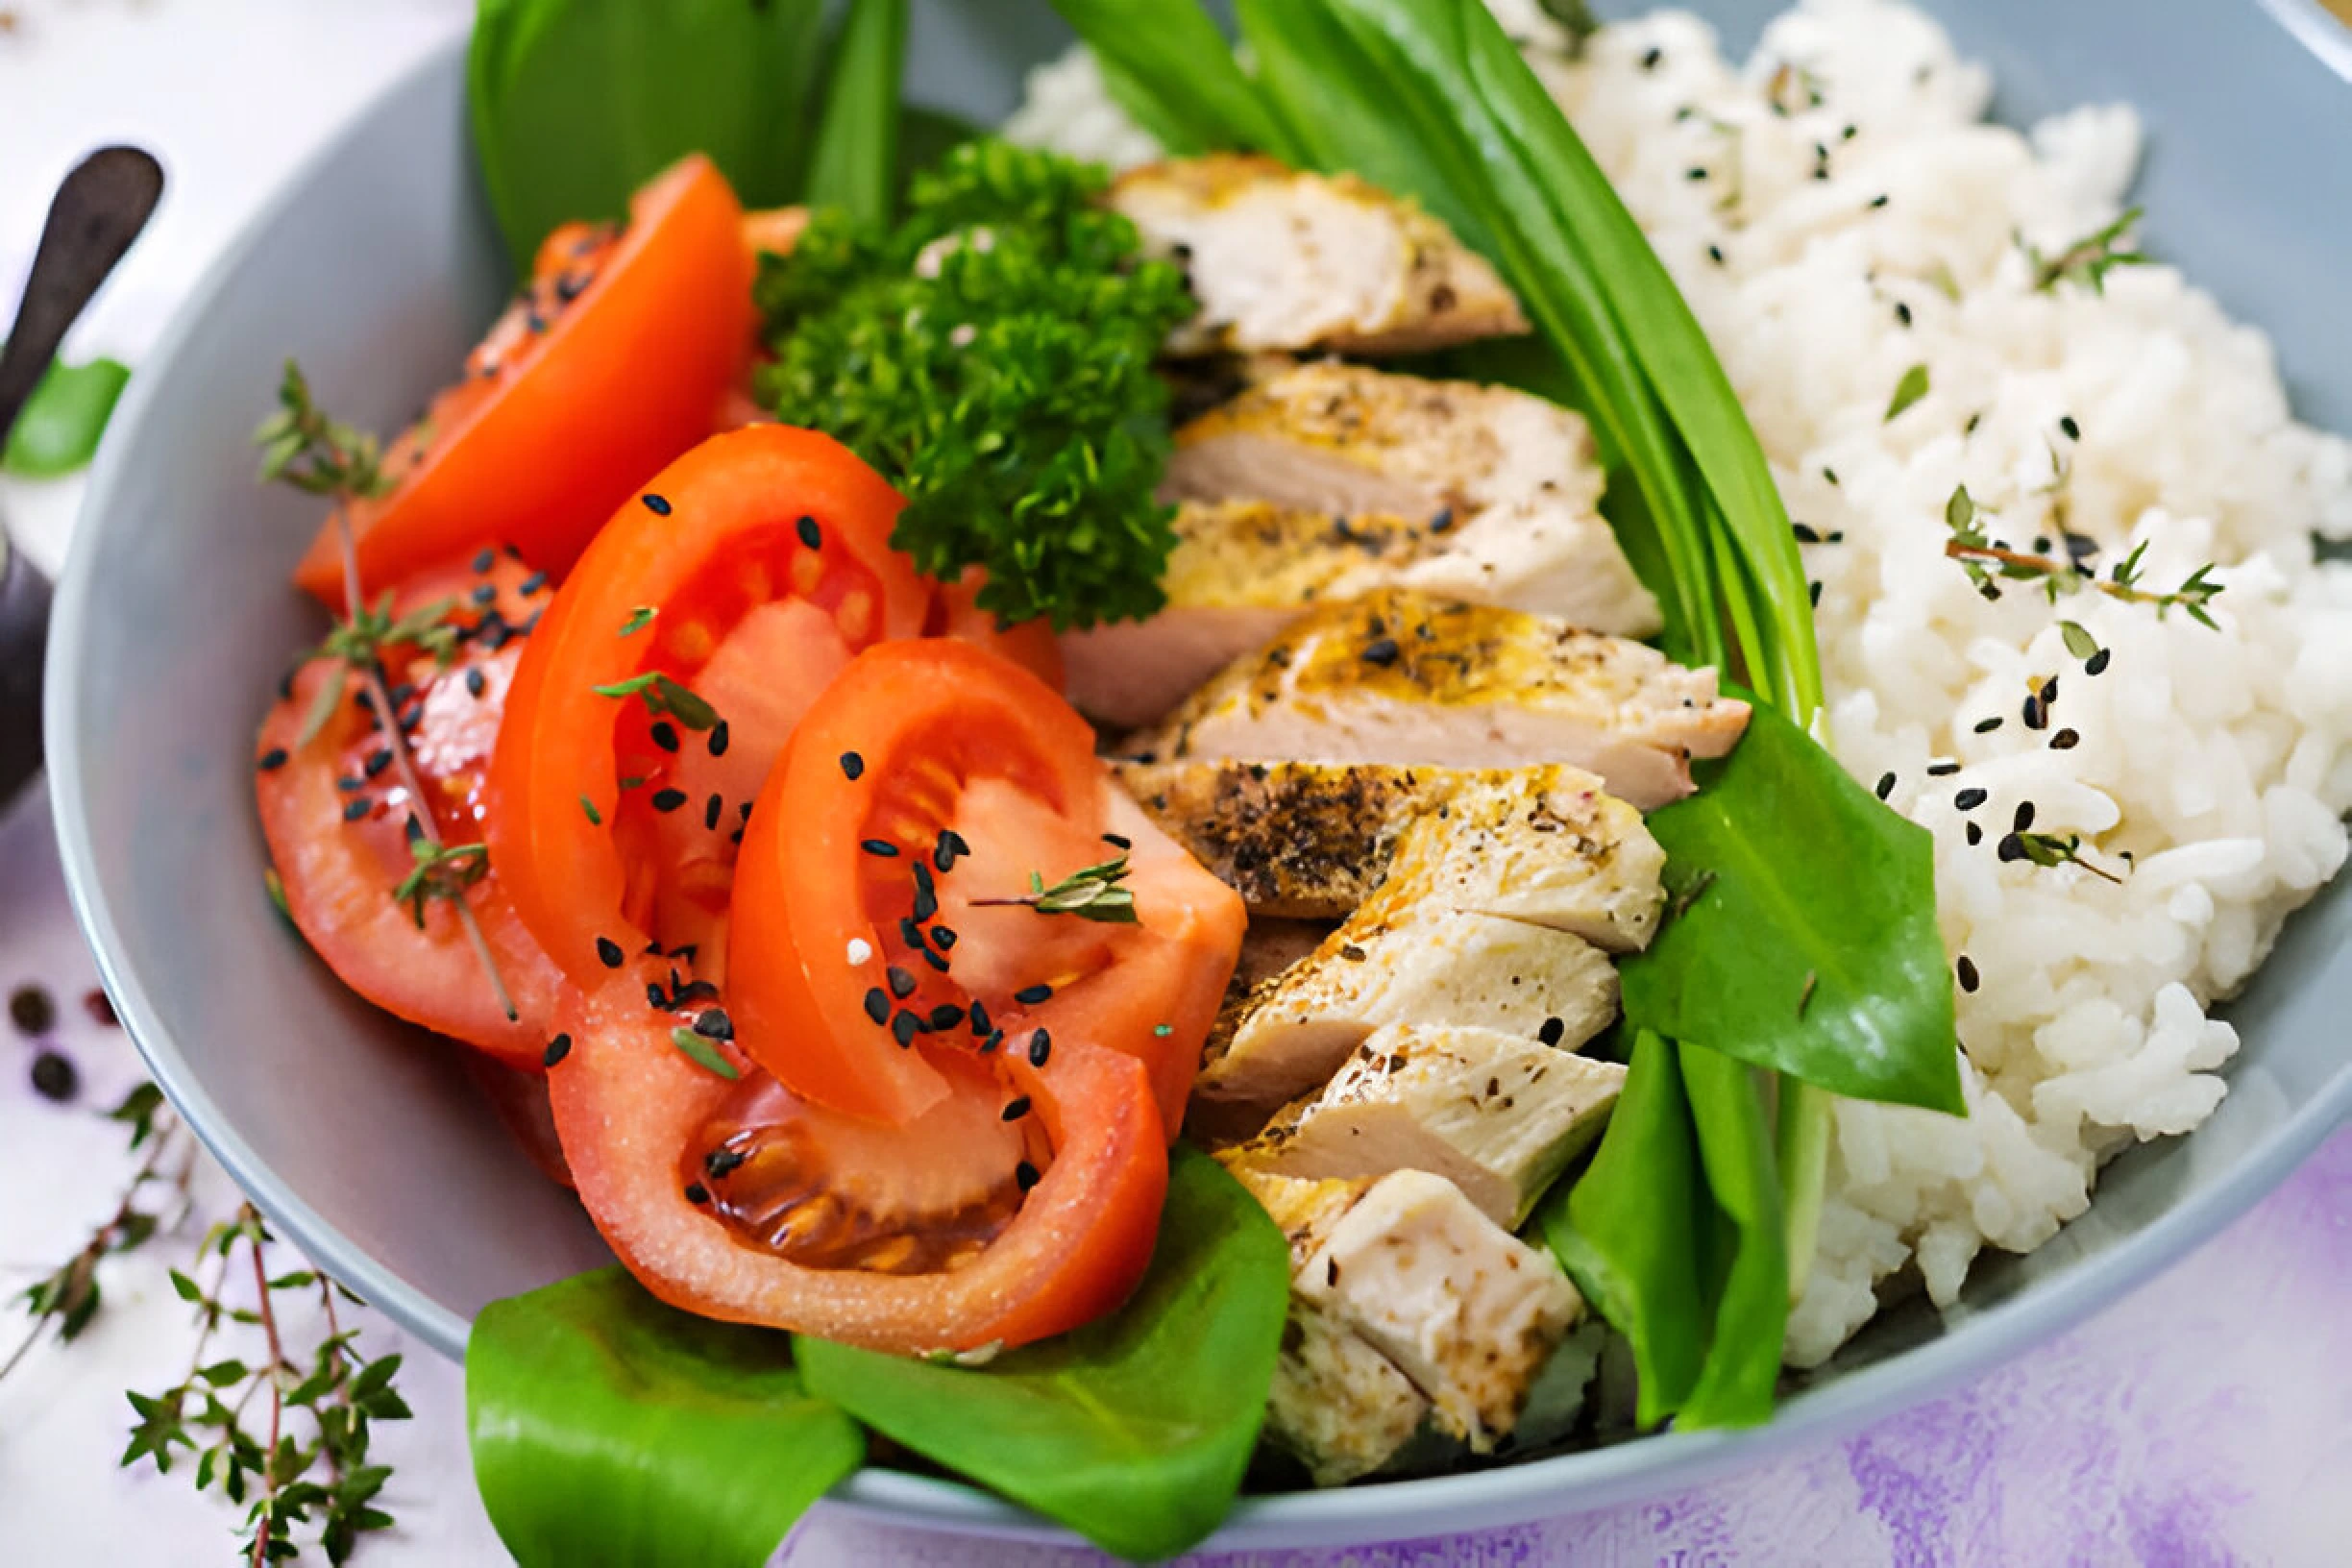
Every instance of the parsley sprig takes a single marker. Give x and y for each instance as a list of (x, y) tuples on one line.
[(2086, 263), (1986, 560), (1092, 893), (991, 356), (300, 446)]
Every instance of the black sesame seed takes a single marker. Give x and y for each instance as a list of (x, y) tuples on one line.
[(935, 960), (2024, 817), (1970, 800), (486, 560), (609, 952), (2066, 740), (880, 847), (711, 809), (667, 799), (1715, 255), (2097, 663), (2035, 718), (353, 810), (1986, 726), (1017, 1108), (1902, 313), (2012, 846), (1806, 534), (1813, 592), (1942, 770), (1694, 174), (1118, 841), (350, 785), (658, 505), (1830, 473), (1875, 201), (1552, 1032), (1650, 60), (272, 760), (1381, 651), (696, 1194), (877, 1005), (926, 894), (715, 1024), (910, 933), (657, 997), (665, 734), (942, 854), (378, 761), (556, 1050), (979, 1019), (532, 585), (476, 682), (901, 982), (54, 1077), (1443, 520), (721, 1164), (1965, 969), (486, 593), (851, 765), (719, 739), (945, 1017), (1886, 785), (905, 1027), (996, 1039), (1024, 1175), (2074, 432), (1041, 1047), (945, 935), (31, 1010), (1031, 996), (2049, 687), (1975, 835), (810, 533)]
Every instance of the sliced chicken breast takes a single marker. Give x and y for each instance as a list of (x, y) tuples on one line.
[(1381, 969), (1284, 259), (1498, 1115), (1339, 1405), (1468, 1314), (1242, 571), (1397, 677), (1507, 482)]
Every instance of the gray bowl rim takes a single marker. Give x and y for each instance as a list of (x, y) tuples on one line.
[(1503, 1495)]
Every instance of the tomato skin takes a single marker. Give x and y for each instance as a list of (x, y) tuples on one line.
[(956, 719), (568, 421), (1031, 644), (627, 1104), (339, 874), (726, 508)]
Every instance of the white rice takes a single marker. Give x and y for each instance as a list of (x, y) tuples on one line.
[(2220, 761)]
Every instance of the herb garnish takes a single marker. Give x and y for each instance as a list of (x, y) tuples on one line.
[(662, 695), (321, 457), (1093, 894), (703, 1054), (1984, 560), (2089, 260), (442, 870), (1909, 390), (2050, 849), (1020, 416)]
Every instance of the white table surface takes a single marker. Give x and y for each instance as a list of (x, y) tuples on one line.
[(2208, 1419)]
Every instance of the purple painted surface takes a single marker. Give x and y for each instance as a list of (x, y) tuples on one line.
[(2205, 1420)]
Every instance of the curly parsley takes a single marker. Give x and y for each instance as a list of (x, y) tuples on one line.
[(991, 354)]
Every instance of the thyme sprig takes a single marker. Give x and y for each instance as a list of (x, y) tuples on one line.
[(322, 1483), (155, 1200), (1985, 561), (1093, 894), (663, 694), (2051, 849), (300, 446), (2086, 263), (442, 870)]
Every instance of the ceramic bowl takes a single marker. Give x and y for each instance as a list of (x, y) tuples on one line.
[(376, 265)]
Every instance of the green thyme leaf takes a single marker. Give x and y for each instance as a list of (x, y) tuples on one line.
[(2079, 639), (639, 619), (1909, 390), (703, 1054)]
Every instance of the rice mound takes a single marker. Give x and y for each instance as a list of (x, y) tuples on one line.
[(2208, 770)]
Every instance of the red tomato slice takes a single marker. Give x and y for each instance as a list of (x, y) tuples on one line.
[(740, 1202), (335, 811), (886, 853), (519, 1101), (745, 576), (613, 361), (1032, 645)]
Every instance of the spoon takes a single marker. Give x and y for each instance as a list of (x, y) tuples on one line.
[(99, 210)]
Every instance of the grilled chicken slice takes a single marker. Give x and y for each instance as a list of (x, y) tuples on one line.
[(1496, 1115), (1507, 482), (1464, 1309), (1281, 260), (1242, 571), (1339, 1405), (1382, 967), (1396, 678), (1313, 841)]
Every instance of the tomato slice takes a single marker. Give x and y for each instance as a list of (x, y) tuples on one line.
[(888, 853), (614, 360), (1031, 644), (738, 1201), (335, 813), (747, 574)]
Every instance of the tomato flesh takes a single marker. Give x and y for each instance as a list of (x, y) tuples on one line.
[(336, 812), (615, 359)]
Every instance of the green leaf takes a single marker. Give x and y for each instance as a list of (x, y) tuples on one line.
[(1909, 390), (1627, 1229), (1170, 68), (853, 164), (610, 1428), (1134, 1430), (576, 102), (2079, 639), (56, 432), (1750, 1322), (703, 1054), (1814, 950)]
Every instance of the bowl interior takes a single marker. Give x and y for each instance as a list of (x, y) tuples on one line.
[(377, 267)]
